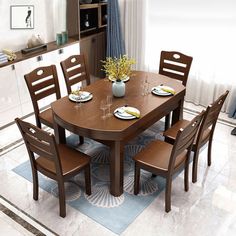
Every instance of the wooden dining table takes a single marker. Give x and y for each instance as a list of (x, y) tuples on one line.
[(86, 119)]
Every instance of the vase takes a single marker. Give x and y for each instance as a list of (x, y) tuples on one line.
[(118, 88)]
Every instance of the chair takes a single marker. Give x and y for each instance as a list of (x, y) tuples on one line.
[(57, 162), (177, 66), (205, 133), (42, 83), (75, 70), (164, 159)]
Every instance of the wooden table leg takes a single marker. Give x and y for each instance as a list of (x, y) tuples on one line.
[(117, 168), (178, 113), (59, 132)]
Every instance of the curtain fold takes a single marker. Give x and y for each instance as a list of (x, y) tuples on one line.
[(133, 19), (115, 43)]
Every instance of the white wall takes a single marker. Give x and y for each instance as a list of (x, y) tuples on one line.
[(49, 18)]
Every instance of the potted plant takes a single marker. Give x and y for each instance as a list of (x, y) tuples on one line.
[(118, 70)]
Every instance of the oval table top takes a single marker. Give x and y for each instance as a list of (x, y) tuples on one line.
[(86, 120)]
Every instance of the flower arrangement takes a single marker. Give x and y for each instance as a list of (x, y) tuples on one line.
[(118, 68)]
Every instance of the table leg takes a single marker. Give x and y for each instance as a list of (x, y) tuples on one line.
[(117, 168), (178, 112), (59, 132)]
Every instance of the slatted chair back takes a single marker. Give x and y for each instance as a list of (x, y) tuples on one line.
[(184, 139), (42, 83), (75, 70), (175, 65), (210, 118), (40, 143)]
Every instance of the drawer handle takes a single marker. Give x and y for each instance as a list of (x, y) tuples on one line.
[(40, 58), (61, 51), (13, 67)]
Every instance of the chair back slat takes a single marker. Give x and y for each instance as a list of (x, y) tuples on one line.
[(39, 142), (185, 138), (175, 65), (75, 70)]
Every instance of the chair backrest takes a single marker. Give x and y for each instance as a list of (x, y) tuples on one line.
[(41, 143), (175, 65), (210, 117), (42, 82), (185, 138), (75, 70)]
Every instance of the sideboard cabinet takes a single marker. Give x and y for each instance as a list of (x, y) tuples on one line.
[(15, 100)]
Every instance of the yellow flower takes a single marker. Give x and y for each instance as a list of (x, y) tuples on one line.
[(118, 68)]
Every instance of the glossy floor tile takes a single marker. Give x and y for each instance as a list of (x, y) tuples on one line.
[(208, 208)]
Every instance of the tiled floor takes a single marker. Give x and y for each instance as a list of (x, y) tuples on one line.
[(209, 208)]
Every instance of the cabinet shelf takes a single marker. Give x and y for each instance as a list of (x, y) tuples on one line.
[(88, 30), (50, 47)]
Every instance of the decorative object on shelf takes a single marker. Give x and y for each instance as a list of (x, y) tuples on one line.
[(59, 39), (64, 37), (3, 58), (11, 56), (118, 88), (86, 22), (22, 17), (118, 68), (35, 43)]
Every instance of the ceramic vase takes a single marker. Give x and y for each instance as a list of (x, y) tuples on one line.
[(118, 88)]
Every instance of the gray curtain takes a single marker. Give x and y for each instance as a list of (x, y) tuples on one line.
[(115, 43)]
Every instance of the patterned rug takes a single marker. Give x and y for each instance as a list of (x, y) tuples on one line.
[(115, 213)]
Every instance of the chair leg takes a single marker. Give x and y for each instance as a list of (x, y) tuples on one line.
[(38, 123), (35, 185), (209, 152), (195, 163), (136, 178), (167, 122), (62, 199), (168, 194), (81, 139), (87, 178), (186, 172)]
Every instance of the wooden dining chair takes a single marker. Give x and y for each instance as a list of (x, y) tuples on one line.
[(42, 83), (205, 133), (164, 159), (177, 66), (75, 70), (57, 162)]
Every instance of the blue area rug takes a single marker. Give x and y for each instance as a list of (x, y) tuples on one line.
[(115, 213)]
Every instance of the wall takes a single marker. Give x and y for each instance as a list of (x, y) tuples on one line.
[(49, 18)]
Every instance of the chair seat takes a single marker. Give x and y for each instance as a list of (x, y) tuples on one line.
[(46, 117), (172, 132), (157, 155), (71, 160)]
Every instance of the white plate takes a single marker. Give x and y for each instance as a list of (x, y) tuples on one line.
[(120, 113), (86, 96), (124, 80), (158, 91)]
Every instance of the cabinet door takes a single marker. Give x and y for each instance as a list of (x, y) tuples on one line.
[(88, 48), (9, 96), (101, 54), (94, 49)]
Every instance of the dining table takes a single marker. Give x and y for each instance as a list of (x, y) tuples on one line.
[(86, 119)]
